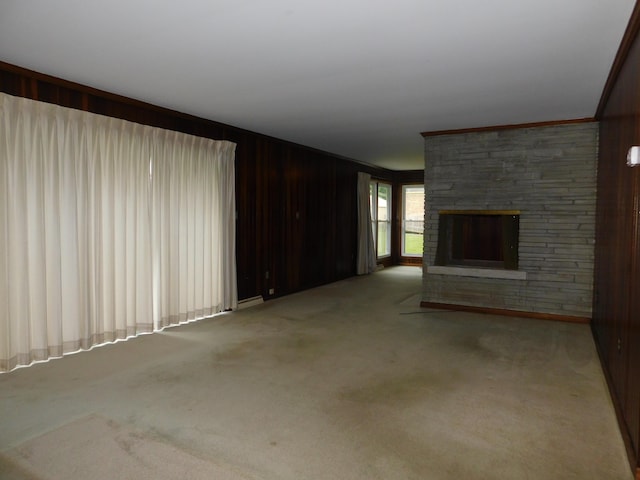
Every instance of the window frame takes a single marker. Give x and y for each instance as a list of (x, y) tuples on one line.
[(403, 220), (374, 189)]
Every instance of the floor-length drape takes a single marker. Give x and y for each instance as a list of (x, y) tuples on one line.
[(108, 229), (194, 226), (366, 261)]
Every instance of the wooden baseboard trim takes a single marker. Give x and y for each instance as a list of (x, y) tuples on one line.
[(409, 262), (508, 313)]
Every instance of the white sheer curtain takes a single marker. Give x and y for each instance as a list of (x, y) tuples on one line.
[(366, 261), (107, 229)]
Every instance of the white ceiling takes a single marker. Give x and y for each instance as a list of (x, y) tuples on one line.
[(359, 78)]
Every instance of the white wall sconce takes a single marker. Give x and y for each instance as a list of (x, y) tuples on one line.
[(633, 157)]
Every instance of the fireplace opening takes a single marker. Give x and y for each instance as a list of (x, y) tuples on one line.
[(478, 238)]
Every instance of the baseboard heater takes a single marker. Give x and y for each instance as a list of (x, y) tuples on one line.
[(250, 302)]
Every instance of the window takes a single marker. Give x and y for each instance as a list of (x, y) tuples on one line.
[(478, 239), (380, 198), (412, 220)]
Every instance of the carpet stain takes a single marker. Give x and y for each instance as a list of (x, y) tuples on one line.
[(238, 351), (298, 347), (125, 445), (282, 349), (401, 389), (165, 376), (476, 347), (9, 469)]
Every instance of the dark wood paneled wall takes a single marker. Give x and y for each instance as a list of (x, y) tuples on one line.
[(296, 206), (616, 304)]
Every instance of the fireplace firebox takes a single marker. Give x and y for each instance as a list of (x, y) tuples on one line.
[(478, 238)]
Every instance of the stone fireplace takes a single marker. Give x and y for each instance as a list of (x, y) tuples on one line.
[(510, 219)]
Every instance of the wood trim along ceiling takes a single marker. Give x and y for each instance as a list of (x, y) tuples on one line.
[(509, 127)]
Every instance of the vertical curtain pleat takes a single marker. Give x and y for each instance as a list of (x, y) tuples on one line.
[(108, 229)]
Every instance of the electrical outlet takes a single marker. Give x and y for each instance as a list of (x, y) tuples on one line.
[(272, 291)]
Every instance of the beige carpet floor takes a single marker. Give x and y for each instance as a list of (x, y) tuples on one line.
[(347, 381), (96, 448)]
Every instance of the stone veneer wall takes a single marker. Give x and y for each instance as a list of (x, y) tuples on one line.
[(549, 174)]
